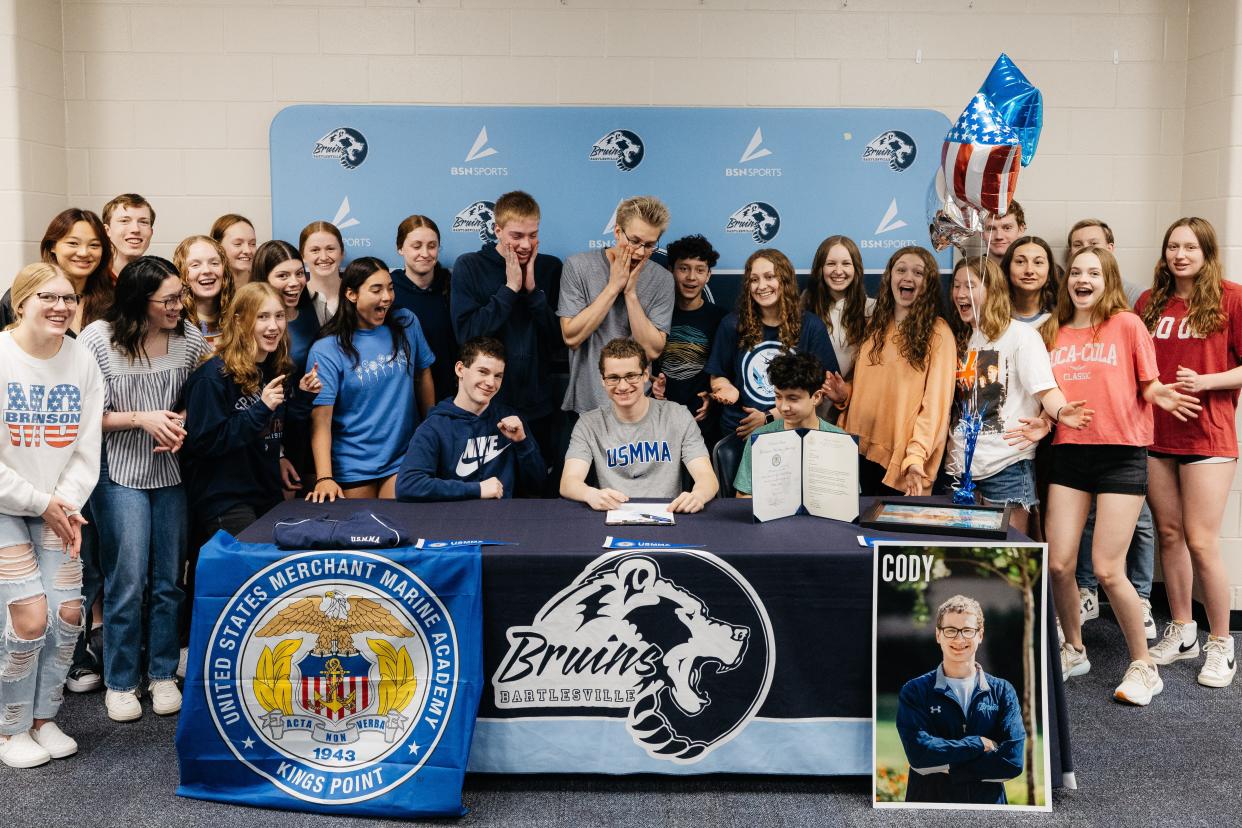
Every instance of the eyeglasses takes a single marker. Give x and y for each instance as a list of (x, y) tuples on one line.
[(172, 302), (612, 380), (71, 300), (965, 632), (648, 246)]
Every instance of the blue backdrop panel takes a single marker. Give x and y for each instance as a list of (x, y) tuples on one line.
[(745, 178)]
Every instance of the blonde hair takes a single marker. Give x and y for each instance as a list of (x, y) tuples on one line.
[(962, 604), (994, 317), (27, 283), (648, 208), (226, 290), (514, 205), (236, 347), (1112, 301)]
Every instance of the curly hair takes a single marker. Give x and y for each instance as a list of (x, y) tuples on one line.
[(224, 298), (1111, 302), (914, 334), (994, 317), (237, 348), (1203, 311), (818, 297), (1047, 293), (750, 318), (692, 247)]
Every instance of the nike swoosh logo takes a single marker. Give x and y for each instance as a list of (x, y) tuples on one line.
[(466, 467), (1185, 648)]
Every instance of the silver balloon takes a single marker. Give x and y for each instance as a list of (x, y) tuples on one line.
[(949, 221)]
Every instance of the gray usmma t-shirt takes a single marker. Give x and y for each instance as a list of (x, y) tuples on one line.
[(642, 459), (583, 278)]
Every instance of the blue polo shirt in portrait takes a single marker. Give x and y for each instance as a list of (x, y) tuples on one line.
[(948, 762), (374, 408)]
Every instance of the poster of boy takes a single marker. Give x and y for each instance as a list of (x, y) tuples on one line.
[(960, 695)]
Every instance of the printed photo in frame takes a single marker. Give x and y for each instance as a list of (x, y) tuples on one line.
[(905, 515), (959, 686)]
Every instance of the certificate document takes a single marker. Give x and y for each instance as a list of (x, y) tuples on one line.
[(804, 471)]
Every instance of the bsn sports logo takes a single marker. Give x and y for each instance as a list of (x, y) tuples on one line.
[(343, 221), (478, 151), (890, 222), (631, 633), (753, 152), (344, 144), (39, 417), (758, 218), (479, 217), (620, 145), (895, 147), (332, 674), (479, 451)]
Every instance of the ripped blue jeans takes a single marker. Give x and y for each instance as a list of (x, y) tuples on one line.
[(35, 652)]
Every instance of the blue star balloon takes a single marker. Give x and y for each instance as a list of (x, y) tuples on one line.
[(1020, 104)]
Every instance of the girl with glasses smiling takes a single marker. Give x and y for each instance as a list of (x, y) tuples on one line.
[(47, 471), (145, 352)]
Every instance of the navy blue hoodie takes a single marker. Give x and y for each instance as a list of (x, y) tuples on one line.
[(483, 305), (231, 455), (454, 451)]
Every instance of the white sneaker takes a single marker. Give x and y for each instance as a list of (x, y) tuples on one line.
[(1219, 669), (184, 659), (1149, 623), (1073, 661), (165, 697), (21, 751), (54, 740), (1140, 683), (1060, 634), (1090, 604), (123, 706), (1180, 641)]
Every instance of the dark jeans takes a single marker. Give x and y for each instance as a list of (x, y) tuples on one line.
[(92, 589), (233, 521)]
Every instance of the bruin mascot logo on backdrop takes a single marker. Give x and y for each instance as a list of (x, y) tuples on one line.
[(631, 633), (622, 146), (895, 147), (479, 217), (332, 674), (758, 218), (344, 144)]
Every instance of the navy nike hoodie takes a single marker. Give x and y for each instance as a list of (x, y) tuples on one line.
[(453, 451)]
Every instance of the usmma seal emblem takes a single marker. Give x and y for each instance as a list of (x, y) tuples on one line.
[(345, 144), (621, 146), (332, 674)]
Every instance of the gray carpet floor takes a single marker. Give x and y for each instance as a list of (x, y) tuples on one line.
[(1175, 762)]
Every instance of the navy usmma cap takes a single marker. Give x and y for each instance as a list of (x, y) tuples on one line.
[(361, 530)]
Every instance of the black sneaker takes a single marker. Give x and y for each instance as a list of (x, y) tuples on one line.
[(83, 680)]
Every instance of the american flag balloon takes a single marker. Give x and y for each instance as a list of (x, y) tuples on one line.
[(981, 158)]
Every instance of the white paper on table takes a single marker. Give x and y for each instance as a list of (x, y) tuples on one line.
[(830, 475), (640, 514), (776, 474), (804, 471)]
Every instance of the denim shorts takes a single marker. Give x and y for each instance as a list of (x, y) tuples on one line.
[(1013, 484), (1100, 469)]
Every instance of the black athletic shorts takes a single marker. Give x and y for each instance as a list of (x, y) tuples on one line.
[(1100, 469)]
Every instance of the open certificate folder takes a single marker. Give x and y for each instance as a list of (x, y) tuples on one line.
[(804, 471)]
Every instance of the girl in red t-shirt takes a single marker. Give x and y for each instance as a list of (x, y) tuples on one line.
[(1102, 354), (1195, 319)]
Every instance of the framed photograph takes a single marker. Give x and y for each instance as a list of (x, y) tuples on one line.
[(959, 682), (903, 515)]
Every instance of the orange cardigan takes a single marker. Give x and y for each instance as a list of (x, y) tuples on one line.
[(901, 414)]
